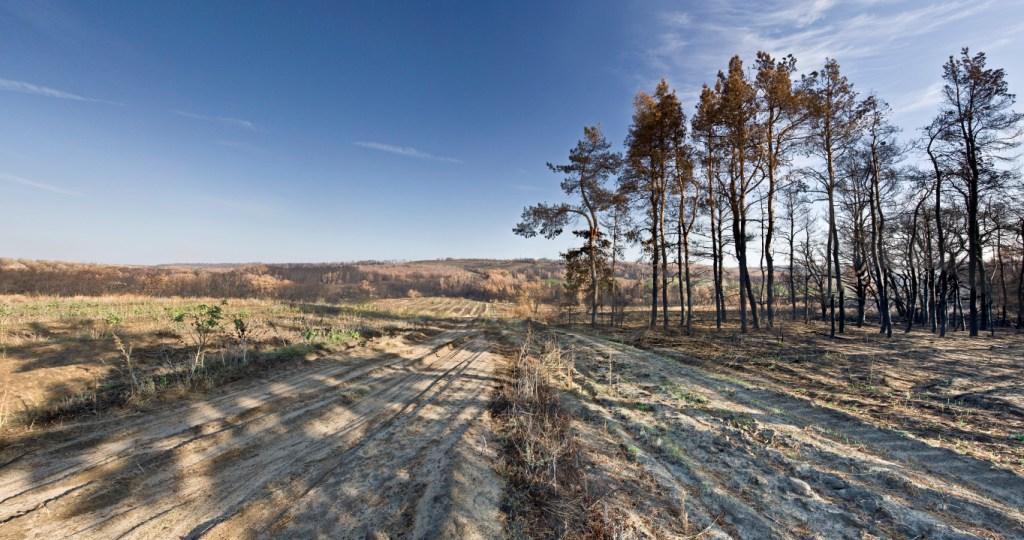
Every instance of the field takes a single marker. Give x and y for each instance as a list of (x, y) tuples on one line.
[(447, 417)]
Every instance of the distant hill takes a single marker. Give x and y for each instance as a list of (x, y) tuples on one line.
[(482, 279), (479, 279)]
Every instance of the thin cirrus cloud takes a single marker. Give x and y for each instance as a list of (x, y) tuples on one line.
[(225, 120), (928, 98), (810, 29), (42, 186), (406, 151), (23, 87)]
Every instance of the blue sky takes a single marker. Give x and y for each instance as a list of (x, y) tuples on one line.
[(146, 132)]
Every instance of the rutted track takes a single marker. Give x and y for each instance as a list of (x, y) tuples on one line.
[(390, 442), (343, 447), (752, 462)]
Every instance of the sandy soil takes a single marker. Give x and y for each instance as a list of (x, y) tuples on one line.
[(386, 442), (744, 460), (685, 437), (955, 392)]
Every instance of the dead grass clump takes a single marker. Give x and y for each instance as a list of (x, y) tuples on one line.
[(129, 388), (542, 453), (566, 475)]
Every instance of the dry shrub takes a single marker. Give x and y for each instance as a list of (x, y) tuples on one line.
[(554, 490), (543, 461)]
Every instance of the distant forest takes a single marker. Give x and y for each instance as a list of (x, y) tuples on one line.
[(478, 279)]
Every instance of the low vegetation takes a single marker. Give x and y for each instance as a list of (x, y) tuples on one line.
[(542, 454), (65, 357)]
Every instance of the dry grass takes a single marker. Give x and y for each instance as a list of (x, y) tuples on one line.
[(542, 461), (62, 357), (565, 477), (956, 392)]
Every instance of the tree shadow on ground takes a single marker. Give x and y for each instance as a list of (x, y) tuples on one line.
[(353, 444)]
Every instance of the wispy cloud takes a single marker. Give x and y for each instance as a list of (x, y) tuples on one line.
[(809, 29), (802, 13), (406, 151), (38, 185), (225, 120), (926, 98), (23, 87)]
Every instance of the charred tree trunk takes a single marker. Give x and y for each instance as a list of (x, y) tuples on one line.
[(1020, 281), (679, 266), (792, 268), (721, 269), (594, 280), (832, 255), (878, 246), (689, 283), (974, 242), (654, 262), (769, 260), (930, 303), (664, 265), (941, 310), (715, 269), (1002, 276), (741, 258)]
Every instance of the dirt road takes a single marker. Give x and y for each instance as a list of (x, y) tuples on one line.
[(384, 442), (745, 461), (393, 441)]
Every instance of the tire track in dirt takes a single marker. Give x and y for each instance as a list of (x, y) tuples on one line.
[(371, 426), (774, 465), (172, 429)]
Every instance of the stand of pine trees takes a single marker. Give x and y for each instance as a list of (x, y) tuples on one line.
[(800, 182)]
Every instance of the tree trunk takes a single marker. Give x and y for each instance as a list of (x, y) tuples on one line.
[(594, 281), (679, 262), (664, 264), (959, 303), (654, 263), (878, 246), (931, 302), (741, 258), (792, 267), (807, 299), (941, 310), (861, 288), (721, 268), (769, 232), (614, 284), (973, 241), (834, 238), (1020, 280), (832, 309), (745, 275), (689, 283), (828, 256), (984, 297), (689, 286), (715, 269), (715, 226), (1002, 276)]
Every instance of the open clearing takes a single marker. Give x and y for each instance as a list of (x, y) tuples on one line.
[(378, 441), (743, 459), (710, 436)]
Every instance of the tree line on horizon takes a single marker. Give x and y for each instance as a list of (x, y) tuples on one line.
[(768, 161), (480, 279)]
